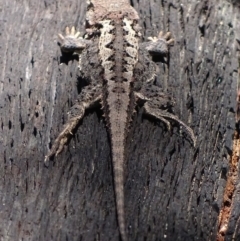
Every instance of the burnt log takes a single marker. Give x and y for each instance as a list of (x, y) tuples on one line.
[(173, 191)]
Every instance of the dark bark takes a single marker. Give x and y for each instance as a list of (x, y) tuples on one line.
[(173, 191)]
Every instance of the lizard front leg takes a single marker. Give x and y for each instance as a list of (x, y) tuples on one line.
[(88, 98), (159, 45), (146, 69), (158, 105), (72, 42)]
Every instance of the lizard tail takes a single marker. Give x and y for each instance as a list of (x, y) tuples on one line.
[(118, 169)]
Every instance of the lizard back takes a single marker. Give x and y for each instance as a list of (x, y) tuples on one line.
[(118, 52)]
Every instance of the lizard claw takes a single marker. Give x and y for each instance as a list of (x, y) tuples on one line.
[(70, 33), (77, 35), (61, 37), (73, 30), (72, 41), (46, 159), (67, 31)]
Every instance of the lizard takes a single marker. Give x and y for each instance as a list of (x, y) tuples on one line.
[(120, 74)]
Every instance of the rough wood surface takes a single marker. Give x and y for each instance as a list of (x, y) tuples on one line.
[(173, 192)]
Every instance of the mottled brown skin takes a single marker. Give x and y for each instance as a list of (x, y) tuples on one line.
[(120, 73)]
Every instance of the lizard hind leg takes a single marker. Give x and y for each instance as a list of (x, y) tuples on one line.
[(163, 116), (89, 97), (157, 104)]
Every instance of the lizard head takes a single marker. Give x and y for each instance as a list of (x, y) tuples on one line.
[(99, 10)]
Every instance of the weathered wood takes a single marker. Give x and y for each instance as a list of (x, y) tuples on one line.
[(173, 191)]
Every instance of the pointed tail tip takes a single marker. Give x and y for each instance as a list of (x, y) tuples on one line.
[(122, 232), (124, 237)]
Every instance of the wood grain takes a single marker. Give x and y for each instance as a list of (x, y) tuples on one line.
[(172, 191)]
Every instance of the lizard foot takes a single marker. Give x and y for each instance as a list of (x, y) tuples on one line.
[(72, 41), (62, 139), (159, 45)]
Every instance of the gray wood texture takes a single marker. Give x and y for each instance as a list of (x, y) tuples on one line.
[(172, 191)]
